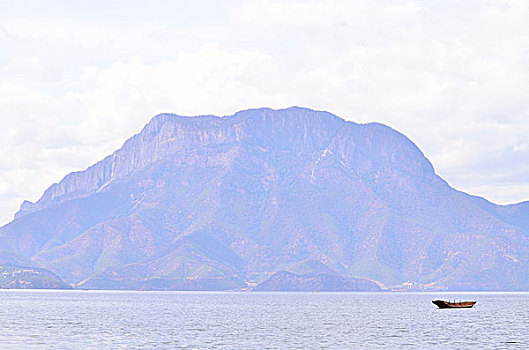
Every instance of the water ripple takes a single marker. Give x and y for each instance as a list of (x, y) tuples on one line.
[(184, 320)]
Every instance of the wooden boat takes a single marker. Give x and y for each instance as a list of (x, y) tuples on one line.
[(443, 304)]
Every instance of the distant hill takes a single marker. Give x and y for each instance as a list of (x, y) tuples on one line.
[(19, 277), (286, 281), (216, 203)]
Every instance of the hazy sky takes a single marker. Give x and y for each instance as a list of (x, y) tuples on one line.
[(79, 77)]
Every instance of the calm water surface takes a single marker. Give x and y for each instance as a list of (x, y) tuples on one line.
[(188, 320)]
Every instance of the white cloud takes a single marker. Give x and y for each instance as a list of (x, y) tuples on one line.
[(453, 76)]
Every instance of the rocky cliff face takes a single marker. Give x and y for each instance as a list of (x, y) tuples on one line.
[(223, 203)]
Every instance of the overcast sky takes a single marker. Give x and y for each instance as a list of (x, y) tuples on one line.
[(77, 78)]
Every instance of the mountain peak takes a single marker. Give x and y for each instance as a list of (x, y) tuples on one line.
[(289, 128)]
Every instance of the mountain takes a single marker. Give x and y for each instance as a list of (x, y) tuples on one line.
[(225, 202)]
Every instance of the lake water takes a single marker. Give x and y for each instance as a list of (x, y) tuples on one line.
[(229, 320)]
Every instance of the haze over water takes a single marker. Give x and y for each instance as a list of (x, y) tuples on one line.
[(203, 320)]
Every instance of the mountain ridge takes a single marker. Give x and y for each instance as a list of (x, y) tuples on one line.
[(108, 163), (154, 125)]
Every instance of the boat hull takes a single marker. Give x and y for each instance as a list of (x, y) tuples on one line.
[(443, 304)]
